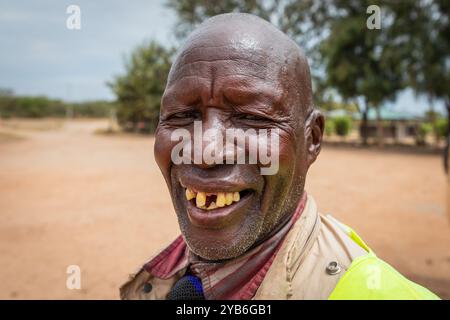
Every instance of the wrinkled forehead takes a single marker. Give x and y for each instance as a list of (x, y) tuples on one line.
[(243, 62), (229, 53)]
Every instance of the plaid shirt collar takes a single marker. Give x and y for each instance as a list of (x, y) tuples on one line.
[(220, 280)]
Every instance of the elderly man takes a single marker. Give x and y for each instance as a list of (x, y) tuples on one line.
[(246, 235)]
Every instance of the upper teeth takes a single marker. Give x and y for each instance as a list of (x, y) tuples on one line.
[(222, 198)]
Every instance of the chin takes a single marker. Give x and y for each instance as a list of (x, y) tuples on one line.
[(231, 246), (225, 236)]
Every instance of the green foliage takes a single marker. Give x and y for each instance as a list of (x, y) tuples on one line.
[(441, 127), (139, 90), (343, 126), (420, 35), (92, 109), (30, 107), (193, 12), (358, 61), (39, 107), (431, 115), (330, 104), (329, 127), (425, 129)]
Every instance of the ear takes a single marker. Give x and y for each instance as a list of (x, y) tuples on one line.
[(314, 128)]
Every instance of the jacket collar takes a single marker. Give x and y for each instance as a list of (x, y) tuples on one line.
[(296, 246)]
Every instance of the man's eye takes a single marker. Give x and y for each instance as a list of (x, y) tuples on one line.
[(251, 117), (188, 115)]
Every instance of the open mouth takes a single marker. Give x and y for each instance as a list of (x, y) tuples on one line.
[(214, 200), (217, 205)]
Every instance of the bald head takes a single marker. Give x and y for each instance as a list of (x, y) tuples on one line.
[(256, 47)]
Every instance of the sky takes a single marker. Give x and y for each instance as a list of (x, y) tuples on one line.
[(39, 55)]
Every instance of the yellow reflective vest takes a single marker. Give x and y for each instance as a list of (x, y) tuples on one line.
[(370, 278)]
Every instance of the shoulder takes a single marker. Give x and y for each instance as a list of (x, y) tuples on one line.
[(370, 278), (340, 265), (324, 261), (303, 267), (154, 278)]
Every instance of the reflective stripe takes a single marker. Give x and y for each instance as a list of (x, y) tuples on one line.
[(351, 233)]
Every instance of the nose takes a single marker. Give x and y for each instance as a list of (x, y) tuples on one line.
[(209, 139)]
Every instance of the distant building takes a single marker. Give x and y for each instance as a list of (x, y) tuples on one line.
[(396, 124)]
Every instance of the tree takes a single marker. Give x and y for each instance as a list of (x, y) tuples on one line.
[(330, 127), (30, 107), (139, 90), (193, 12), (441, 126), (343, 126), (421, 35), (423, 131), (360, 63), (42, 106)]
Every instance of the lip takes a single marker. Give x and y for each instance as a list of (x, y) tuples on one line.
[(220, 217)]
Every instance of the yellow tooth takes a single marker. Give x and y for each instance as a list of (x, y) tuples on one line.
[(228, 198), (236, 196), (201, 199), (212, 206), (220, 199), (189, 194)]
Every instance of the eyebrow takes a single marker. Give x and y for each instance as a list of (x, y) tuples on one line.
[(237, 91), (178, 93), (262, 94)]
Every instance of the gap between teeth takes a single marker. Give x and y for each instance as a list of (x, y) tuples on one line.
[(222, 199)]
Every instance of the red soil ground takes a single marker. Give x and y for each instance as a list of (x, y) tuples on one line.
[(70, 196)]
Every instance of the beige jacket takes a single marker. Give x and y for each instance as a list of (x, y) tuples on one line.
[(313, 257)]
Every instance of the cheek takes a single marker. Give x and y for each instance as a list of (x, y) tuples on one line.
[(162, 150), (292, 170), (291, 153), (278, 186)]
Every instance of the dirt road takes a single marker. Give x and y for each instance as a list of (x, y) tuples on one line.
[(72, 197)]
